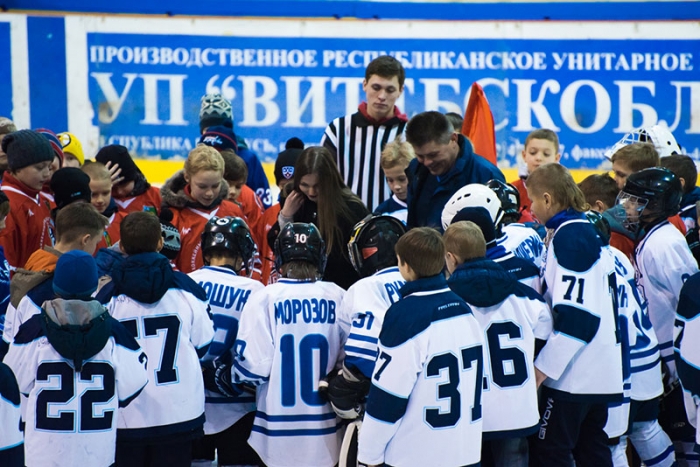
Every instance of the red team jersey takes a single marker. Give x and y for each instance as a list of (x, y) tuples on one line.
[(190, 223), (29, 226), (111, 235), (148, 201)]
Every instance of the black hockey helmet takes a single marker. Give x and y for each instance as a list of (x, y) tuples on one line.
[(510, 200), (649, 196), (371, 245), (300, 242), (230, 234), (601, 224)]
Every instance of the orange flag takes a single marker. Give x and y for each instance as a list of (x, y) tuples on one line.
[(479, 126)]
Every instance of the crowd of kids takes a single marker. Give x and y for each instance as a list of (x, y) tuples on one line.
[(399, 304)]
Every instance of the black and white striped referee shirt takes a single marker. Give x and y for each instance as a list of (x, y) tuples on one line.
[(357, 143)]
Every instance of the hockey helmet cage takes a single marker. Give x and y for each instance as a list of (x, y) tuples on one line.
[(510, 199), (473, 195), (371, 246), (298, 241), (660, 136), (230, 234), (649, 196)]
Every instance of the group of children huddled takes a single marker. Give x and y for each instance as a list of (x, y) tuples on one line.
[(547, 324)]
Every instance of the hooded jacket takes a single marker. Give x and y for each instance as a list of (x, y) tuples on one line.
[(190, 217), (143, 197)]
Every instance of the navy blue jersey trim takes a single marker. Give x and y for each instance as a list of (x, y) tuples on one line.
[(8, 385), (576, 322), (384, 406), (295, 418), (587, 398), (302, 432), (29, 331), (141, 434), (122, 336), (521, 433), (186, 283)]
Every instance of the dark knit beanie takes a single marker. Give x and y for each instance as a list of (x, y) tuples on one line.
[(287, 159), (26, 147), (215, 110), (481, 217), (76, 275), (70, 184), (220, 138), (117, 154)]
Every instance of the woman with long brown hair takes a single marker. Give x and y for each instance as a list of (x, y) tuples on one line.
[(320, 197)]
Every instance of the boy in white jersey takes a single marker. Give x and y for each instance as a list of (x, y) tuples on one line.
[(79, 367), (286, 345), (424, 405), (663, 263), (362, 312), (579, 282), (168, 314), (516, 323), (227, 251)]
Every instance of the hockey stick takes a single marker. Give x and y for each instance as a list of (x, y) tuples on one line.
[(348, 449)]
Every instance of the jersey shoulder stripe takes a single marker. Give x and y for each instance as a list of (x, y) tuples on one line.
[(576, 323), (524, 291), (122, 336), (8, 385), (30, 331), (689, 300), (184, 282)]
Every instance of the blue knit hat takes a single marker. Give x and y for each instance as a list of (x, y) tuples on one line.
[(75, 276)]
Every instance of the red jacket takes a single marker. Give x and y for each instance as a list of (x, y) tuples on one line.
[(525, 202), (29, 225), (251, 206), (148, 201), (111, 235), (267, 256)]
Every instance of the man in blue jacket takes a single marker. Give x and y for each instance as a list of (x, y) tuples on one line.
[(445, 162)]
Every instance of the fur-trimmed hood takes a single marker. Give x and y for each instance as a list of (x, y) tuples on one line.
[(174, 196)]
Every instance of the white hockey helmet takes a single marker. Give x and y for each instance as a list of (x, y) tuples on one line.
[(472, 196), (658, 135)]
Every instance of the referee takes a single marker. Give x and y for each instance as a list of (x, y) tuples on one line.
[(356, 141)]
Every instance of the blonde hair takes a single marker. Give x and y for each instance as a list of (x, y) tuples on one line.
[(465, 240), (395, 154), (556, 180), (96, 171), (203, 158)]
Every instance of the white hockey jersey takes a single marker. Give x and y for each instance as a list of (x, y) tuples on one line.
[(171, 323), (687, 349), (71, 418), (288, 339), (645, 359), (362, 313), (227, 294), (27, 307), (664, 262), (511, 316), (523, 242), (424, 406), (579, 281), (10, 434)]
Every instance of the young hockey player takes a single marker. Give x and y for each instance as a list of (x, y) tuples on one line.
[(523, 240), (394, 161), (362, 312), (79, 368), (133, 192), (516, 322), (663, 263), (286, 346), (424, 405), (167, 313), (78, 227), (29, 222), (101, 198), (195, 195), (541, 147), (227, 250), (578, 271), (479, 204)]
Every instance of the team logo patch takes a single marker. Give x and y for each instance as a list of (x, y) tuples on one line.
[(288, 171), (211, 140)]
